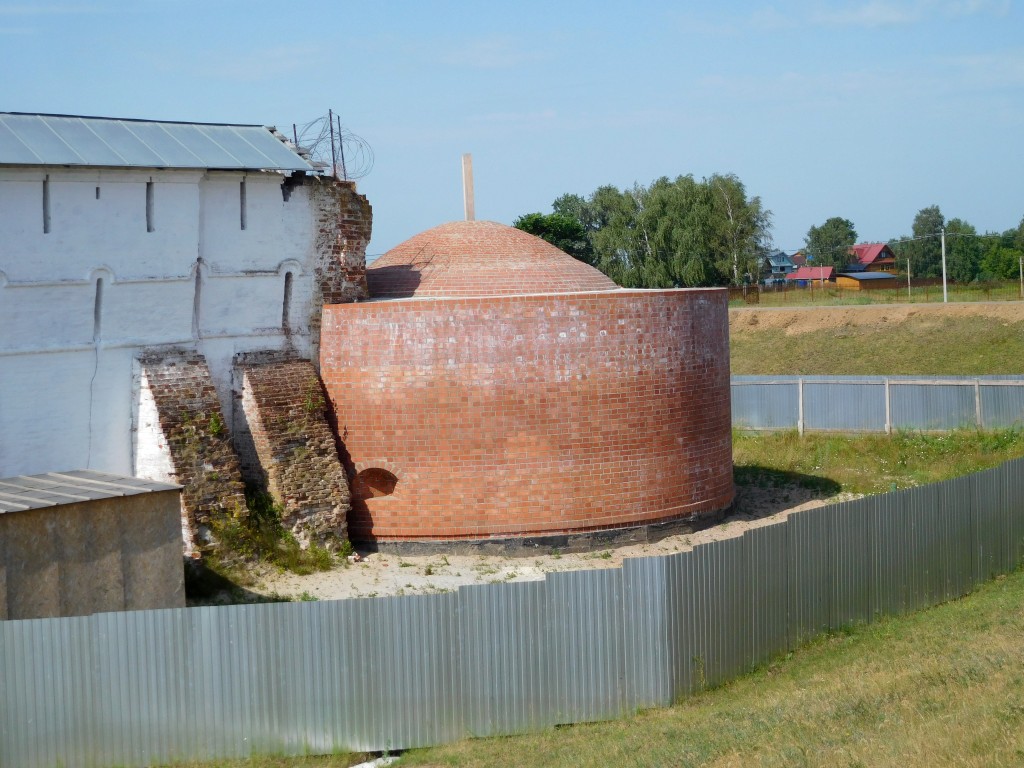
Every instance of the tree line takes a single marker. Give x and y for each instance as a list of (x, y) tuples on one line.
[(970, 256), (674, 233), (685, 232)]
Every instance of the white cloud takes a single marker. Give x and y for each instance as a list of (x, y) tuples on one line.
[(887, 13), (493, 53), (876, 13), (990, 70), (22, 10), (248, 65), (771, 19)]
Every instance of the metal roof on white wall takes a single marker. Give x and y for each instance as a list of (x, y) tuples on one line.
[(67, 140)]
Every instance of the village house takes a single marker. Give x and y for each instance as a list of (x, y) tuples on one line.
[(776, 266), (873, 257)]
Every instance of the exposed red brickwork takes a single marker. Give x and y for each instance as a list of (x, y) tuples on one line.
[(479, 258), (532, 414), (344, 220), (193, 429), (284, 407)]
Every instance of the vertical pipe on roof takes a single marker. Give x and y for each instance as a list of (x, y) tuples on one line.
[(467, 187)]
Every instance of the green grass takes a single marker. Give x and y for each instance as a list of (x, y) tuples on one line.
[(964, 346), (941, 687), (246, 541), (868, 463)]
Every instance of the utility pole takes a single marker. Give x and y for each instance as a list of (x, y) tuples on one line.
[(1020, 266), (908, 277), (334, 159), (945, 294)]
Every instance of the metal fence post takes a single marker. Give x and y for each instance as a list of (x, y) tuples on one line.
[(800, 406), (888, 409), (977, 404)]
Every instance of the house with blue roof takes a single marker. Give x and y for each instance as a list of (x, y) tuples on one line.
[(775, 267)]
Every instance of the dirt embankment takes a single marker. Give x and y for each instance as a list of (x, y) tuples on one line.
[(798, 320)]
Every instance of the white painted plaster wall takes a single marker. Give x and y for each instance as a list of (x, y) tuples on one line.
[(66, 393)]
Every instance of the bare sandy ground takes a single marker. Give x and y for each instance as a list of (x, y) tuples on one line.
[(797, 320), (387, 574)]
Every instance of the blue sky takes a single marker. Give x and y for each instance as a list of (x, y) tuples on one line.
[(866, 110)]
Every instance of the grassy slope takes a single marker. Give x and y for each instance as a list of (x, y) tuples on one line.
[(965, 346), (868, 463), (941, 687)]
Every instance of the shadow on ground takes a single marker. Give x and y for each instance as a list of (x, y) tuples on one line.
[(763, 491), (204, 586)]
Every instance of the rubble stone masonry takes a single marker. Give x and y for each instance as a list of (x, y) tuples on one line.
[(182, 438), (284, 408), (343, 220)]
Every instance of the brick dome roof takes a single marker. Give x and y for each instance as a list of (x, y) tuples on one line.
[(479, 258)]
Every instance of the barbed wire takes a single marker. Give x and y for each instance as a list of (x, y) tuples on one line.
[(331, 145)]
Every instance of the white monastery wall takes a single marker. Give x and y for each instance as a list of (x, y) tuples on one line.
[(80, 301)]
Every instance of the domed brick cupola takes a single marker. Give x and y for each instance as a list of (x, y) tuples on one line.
[(479, 258)]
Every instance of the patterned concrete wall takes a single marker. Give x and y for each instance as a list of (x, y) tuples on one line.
[(521, 415)]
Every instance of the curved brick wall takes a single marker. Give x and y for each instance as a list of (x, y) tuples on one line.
[(531, 414)]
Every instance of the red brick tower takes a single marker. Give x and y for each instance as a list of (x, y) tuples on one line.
[(496, 387)]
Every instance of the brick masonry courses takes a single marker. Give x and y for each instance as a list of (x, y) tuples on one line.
[(191, 436), (531, 415), (343, 221), (479, 258), (284, 408)]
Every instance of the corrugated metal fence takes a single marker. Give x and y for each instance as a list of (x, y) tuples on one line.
[(876, 403), (389, 673)]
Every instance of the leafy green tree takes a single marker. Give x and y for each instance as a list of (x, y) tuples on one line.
[(829, 245), (963, 251), (999, 263), (561, 231), (676, 232), (742, 224), (925, 249)]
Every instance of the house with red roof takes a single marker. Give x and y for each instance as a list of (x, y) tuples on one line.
[(874, 257), (805, 275)]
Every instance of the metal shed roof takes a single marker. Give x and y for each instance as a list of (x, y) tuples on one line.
[(20, 494), (31, 139)]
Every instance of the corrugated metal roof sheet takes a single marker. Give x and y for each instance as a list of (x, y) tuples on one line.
[(25, 492), (31, 139)]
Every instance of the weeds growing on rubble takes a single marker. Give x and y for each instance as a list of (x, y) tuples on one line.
[(258, 537)]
